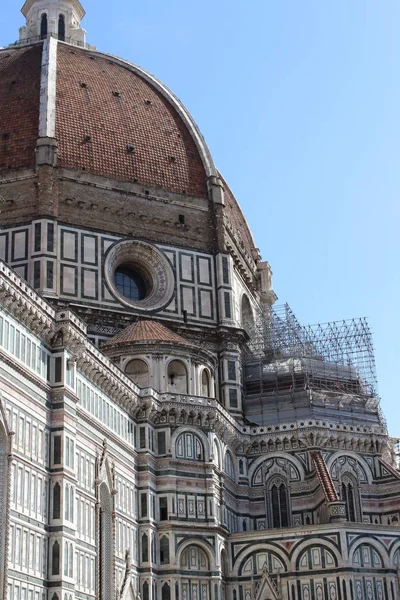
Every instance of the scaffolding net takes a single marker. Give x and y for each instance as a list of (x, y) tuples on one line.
[(283, 355)]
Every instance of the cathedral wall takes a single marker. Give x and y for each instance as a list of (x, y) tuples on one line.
[(69, 263), (27, 415)]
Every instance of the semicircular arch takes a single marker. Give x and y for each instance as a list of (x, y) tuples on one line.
[(200, 434), (248, 552), (375, 543)]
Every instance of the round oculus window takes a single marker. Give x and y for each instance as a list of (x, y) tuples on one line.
[(139, 275), (130, 283)]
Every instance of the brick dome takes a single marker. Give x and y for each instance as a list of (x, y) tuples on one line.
[(110, 119), (135, 131)]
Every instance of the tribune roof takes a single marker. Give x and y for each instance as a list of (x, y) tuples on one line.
[(145, 331)]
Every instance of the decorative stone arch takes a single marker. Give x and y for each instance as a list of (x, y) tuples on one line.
[(106, 490), (302, 547), (248, 552), (5, 483), (375, 543), (363, 465), (207, 548), (288, 457), (186, 429)]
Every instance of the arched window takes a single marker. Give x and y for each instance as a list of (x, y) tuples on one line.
[(164, 550), (189, 446), (43, 26), (145, 548), (205, 384), (241, 469), (145, 591), (106, 563), (138, 371), (177, 377), (351, 496), (61, 28), (165, 592), (55, 559), (229, 468), (277, 503), (56, 501)]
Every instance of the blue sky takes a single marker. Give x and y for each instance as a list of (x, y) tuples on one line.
[(299, 102)]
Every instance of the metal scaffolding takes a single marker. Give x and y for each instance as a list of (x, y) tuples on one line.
[(284, 356)]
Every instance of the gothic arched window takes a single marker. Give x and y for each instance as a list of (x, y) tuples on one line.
[(351, 496), (56, 501), (55, 563), (138, 371), (177, 377), (145, 548), (61, 28), (43, 26), (165, 592), (189, 446), (278, 509)]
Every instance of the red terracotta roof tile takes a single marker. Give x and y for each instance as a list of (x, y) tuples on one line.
[(19, 105), (117, 108), (145, 331)]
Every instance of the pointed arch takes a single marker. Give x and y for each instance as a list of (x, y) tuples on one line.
[(350, 494), (277, 502)]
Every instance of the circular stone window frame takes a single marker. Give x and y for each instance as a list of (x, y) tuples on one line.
[(151, 265)]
